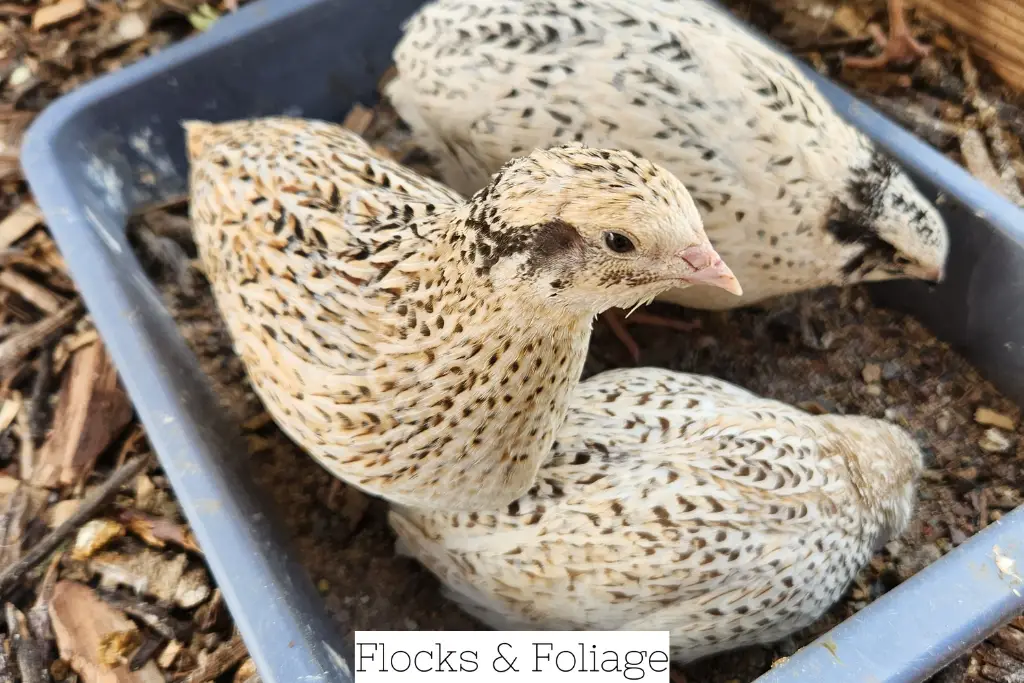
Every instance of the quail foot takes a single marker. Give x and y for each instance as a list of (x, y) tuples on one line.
[(682, 503), (792, 197), (900, 46), (419, 346)]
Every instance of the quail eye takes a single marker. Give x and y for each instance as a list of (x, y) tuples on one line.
[(902, 261), (618, 242)]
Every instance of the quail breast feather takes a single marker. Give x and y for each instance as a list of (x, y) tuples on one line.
[(678, 502), (792, 197), (420, 346)]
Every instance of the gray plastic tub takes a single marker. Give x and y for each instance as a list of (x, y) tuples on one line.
[(117, 143)]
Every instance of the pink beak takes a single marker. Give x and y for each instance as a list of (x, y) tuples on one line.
[(709, 269)]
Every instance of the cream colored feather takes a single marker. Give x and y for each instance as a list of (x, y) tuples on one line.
[(682, 503), (419, 346), (792, 197)]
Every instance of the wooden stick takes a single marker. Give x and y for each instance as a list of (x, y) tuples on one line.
[(150, 644), (12, 523), (937, 132), (220, 660), (18, 223), (977, 159), (92, 410), (31, 291), (6, 676), (1010, 639), (931, 70), (989, 118), (16, 347), (39, 614), (153, 616), (29, 653), (38, 396), (12, 574)]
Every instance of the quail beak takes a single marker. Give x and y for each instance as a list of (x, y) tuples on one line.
[(936, 275), (709, 269)]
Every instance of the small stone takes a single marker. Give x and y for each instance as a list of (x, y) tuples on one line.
[(967, 473), (944, 424), (957, 536), (991, 418), (871, 373), (897, 415), (131, 26), (874, 390), (323, 585), (20, 75), (994, 441), (892, 370)]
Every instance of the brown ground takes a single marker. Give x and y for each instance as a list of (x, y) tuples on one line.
[(828, 351)]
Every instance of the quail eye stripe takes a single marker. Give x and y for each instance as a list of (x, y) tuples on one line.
[(618, 242)]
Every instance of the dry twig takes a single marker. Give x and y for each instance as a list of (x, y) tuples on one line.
[(91, 412), (39, 614), (6, 675), (38, 397), (19, 345), (29, 653), (18, 223), (12, 524), (977, 159), (222, 659), (31, 291), (937, 132), (11, 574), (151, 642), (155, 617)]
